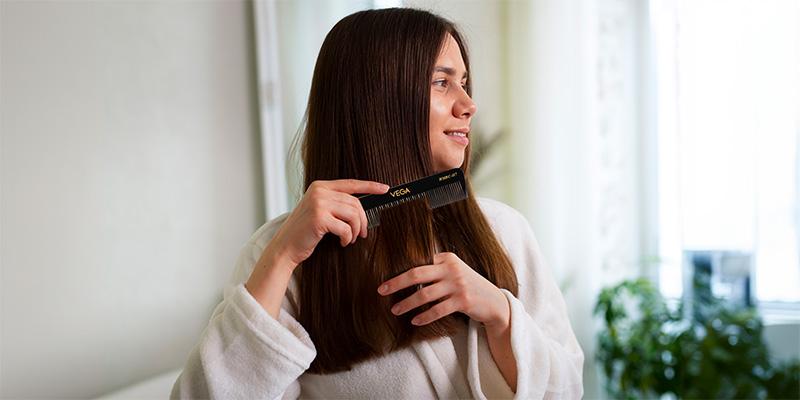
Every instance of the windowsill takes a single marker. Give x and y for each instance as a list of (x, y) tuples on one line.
[(778, 313), (771, 313)]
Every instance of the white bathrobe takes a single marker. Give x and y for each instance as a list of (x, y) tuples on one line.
[(244, 353)]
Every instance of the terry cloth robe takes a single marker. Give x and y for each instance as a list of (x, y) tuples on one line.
[(244, 353)]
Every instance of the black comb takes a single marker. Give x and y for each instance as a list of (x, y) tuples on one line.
[(440, 189)]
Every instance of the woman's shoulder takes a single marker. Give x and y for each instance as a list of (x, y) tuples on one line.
[(501, 214), (508, 225)]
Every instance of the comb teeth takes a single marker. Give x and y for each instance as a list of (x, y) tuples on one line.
[(374, 214), (446, 194)]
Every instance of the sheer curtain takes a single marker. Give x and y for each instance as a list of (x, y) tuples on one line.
[(729, 109), (270, 108), (582, 140)]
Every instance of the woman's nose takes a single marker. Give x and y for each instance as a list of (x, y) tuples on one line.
[(464, 106)]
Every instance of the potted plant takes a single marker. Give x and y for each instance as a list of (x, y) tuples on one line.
[(706, 349)]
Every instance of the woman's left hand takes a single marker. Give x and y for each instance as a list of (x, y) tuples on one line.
[(461, 288)]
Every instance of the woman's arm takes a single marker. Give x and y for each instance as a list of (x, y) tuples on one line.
[(245, 352), (252, 348), (549, 359), (499, 339), (269, 280)]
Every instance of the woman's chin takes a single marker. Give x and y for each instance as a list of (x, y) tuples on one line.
[(446, 166)]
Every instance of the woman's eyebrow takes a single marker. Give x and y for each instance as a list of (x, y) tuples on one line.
[(449, 71)]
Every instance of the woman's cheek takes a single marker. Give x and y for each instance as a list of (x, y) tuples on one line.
[(439, 109)]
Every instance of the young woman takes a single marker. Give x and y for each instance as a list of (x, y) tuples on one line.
[(321, 307)]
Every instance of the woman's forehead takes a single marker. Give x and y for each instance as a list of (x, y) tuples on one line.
[(449, 60)]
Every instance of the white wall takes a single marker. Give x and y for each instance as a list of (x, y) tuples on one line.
[(130, 179)]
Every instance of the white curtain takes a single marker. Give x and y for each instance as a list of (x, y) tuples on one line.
[(270, 108), (581, 139)]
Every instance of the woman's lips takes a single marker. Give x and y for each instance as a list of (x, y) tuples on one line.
[(463, 140)]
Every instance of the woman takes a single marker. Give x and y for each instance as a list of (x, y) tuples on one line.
[(321, 307)]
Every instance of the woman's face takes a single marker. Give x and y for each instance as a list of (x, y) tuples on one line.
[(451, 108)]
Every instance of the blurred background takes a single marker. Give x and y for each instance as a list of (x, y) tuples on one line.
[(652, 144)]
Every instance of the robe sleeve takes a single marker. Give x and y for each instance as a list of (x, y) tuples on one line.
[(245, 353), (548, 356)]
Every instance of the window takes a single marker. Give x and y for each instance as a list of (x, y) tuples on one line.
[(728, 111)]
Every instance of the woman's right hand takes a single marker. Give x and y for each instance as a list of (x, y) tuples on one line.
[(326, 207)]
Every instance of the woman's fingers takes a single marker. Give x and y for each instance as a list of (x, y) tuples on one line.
[(356, 204), (348, 214), (456, 287), (354, 186), (319, 213), (444, 257), (414, 276), (341, 229), (423, 296), (439, 310)]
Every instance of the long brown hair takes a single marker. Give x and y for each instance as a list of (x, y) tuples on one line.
[(367, 118)]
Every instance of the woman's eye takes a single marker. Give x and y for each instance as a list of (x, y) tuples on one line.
[(444, 83)]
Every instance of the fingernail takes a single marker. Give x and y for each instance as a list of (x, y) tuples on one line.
[(383, 289), (395, 309), (415, 321)]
